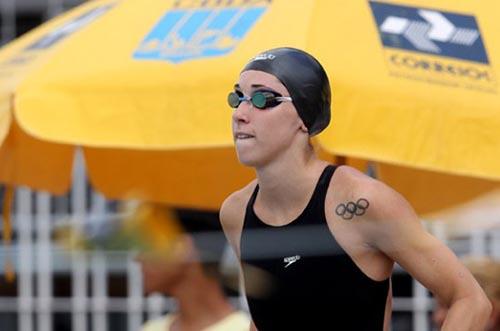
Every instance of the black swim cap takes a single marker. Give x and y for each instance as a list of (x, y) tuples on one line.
[(305, 80)]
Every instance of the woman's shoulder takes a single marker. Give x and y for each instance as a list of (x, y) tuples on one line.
[(351, 177), (233, 208), (239, 198)]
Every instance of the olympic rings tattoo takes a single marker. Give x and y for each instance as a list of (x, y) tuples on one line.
[(351, 209)]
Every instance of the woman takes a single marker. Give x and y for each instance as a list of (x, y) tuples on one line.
[(325, 237)]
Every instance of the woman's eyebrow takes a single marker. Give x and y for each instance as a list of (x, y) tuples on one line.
[(255, 87), (237, 86), (260, 86)]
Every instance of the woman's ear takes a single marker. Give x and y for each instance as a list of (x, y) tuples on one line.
[(303, 128)]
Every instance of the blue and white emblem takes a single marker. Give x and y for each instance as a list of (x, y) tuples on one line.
[(191, 33), (429, 31)]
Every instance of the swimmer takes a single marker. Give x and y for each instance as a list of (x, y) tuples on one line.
[(282, 99)]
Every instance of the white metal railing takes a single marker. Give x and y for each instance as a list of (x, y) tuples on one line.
[(79, 263), (98, 271), (43, 262), (25, 262)]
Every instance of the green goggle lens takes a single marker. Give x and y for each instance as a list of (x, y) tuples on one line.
[(259, 100), (233, 99)]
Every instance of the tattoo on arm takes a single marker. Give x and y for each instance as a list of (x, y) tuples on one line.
[(350, 209)]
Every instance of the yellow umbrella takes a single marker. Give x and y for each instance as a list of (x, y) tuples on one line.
[(431, 192), (131, 109), (125, 109), (153, 75), (413, 84), (92, 63), (418, 88), (193, 178)]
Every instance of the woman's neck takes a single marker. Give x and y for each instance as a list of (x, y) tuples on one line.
[(287, 182)]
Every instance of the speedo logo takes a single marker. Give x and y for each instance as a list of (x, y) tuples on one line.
[(429, 31), (264, 56), (290, 260)]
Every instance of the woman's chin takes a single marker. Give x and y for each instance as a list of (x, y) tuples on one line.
[(248, 160), (252, 158)]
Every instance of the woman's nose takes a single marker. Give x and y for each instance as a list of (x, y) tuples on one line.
[(242, 112)]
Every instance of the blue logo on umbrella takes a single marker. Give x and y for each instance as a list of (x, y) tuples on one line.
[(429, 31), (186, 34)]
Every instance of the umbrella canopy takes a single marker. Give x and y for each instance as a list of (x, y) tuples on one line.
[(138, 77), (412, 89), (431, 192), (413, 84), (195, 178)]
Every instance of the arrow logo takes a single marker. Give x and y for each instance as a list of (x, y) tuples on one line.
[(422, 34)]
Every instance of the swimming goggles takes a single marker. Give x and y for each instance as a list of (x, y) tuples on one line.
[(259, 99)]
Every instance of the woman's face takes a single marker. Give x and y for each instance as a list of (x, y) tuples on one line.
[(262, 134)]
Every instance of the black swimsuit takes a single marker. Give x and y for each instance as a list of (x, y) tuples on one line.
[(298, 277)]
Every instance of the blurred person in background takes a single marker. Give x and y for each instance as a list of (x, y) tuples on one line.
[(188, 270), (327, 236), (487, 273)]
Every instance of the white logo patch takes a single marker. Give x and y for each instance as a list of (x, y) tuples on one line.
[(291, 259), (264, 56)]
